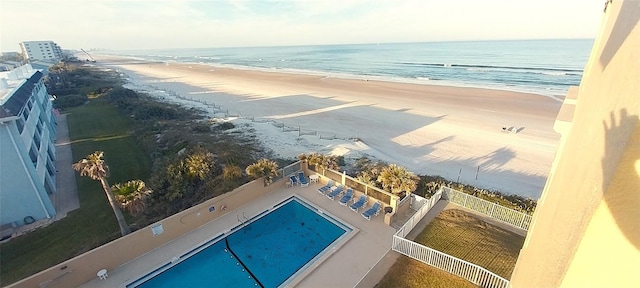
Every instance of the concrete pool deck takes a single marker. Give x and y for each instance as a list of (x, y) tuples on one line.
[(344, 268)]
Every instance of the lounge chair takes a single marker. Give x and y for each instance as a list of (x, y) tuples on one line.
[(359, 204), (293, 181), (334, 188), (326, 188), (335, 192), (373, 211), (303, 180), (346, 198)]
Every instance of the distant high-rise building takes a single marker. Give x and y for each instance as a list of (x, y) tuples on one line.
[(41, 50), (27, 153)]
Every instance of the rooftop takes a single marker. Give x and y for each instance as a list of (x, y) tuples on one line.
[(10, 80)]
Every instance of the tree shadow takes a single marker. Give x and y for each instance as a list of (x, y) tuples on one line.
[(621, 179), (495, 159), (393, 133), (625, 22)]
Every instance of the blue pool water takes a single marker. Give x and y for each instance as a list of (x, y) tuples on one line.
[(273, 248)]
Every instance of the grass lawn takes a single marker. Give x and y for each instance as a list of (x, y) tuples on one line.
[(409, 273), (462, 235), (93, 126), (459, 234)]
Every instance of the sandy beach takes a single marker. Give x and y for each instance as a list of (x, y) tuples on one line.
[(436, 130)]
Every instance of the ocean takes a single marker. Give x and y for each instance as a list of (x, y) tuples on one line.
[(545, 67)]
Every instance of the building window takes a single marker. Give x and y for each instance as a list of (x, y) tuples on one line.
[(20, 124), (50, 169), (36, 140), (33, 155), (25, 114), (50, 154), (39, 128), (48, 186)]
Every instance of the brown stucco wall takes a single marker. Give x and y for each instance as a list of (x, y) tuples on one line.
[(586, 229), (83, 268)]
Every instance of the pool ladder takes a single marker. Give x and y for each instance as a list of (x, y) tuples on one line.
[(244, 219)]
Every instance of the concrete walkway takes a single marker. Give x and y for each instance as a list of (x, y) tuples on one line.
[(66, 197), (385, 263)]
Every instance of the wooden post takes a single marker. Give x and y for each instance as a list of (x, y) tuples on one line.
[(459, 175), (477, 172)]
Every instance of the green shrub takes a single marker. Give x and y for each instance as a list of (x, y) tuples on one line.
[(226, 126), (155, 111), (121, 97), (200, 128), (68, 101), (61, 92)]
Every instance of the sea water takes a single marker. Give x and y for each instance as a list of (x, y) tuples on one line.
[(546, 67)]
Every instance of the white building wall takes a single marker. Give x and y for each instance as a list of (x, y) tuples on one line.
[(41, 50), (24, 184), (21, 195)]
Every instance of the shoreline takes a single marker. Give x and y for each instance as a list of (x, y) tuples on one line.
[(432, 130), (558, 96)]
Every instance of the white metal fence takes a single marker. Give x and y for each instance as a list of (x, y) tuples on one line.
[(493, 210), (469, 271), (427, 204)]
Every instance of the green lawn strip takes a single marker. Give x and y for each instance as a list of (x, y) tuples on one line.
[(93, 224), (409, 273), (97, 119), (460, 234)]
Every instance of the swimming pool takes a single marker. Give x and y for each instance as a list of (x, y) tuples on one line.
[(269, 250)]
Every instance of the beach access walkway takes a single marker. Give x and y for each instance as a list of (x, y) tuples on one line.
[(66, 197)]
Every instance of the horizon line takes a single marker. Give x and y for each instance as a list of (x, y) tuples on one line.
[(319, 44)]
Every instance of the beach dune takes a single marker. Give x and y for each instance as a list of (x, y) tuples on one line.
[(455, 132)]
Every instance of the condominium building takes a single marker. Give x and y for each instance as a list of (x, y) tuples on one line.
[(41, 50), (586, 228), (27, 151)]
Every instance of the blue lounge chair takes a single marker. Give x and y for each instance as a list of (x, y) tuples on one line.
[(346, 198), (334, 188), (359, 204), (373, 211), (293, 181), (326, 188), (303, 180), (335, 192)]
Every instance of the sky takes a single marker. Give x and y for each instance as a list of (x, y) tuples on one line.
[(164, 24)]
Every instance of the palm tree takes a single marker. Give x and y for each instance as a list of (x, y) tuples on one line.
[(397, 179), (231, 172), (370, 171), (320, 160), (95, 168), (263, 168), (132, 195)]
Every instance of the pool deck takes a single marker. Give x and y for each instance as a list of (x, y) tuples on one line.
[(344, 267)]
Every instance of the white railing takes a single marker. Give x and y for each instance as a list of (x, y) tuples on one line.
[(469, 271), (493, 210), (427, 204)]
